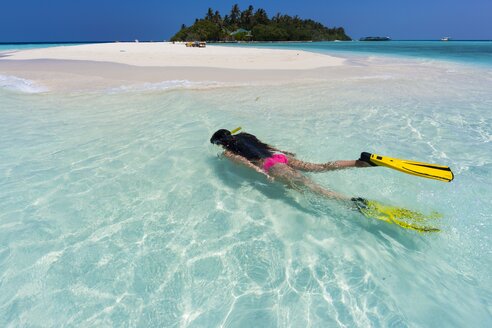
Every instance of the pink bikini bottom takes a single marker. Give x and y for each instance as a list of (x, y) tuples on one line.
[(274, 159)]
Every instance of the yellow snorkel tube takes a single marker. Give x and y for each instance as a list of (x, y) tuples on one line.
[(236, 130)]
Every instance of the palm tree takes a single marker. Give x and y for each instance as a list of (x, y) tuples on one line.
[(261, 17), (210, 14), (235, 14), (217, 19), (246, 17)]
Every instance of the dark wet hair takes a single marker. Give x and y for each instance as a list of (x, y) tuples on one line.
[(244, 144), (220, 136)]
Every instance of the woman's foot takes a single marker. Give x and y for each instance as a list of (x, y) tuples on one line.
[(364, 160)]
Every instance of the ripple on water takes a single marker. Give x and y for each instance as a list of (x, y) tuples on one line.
[(115, 210)]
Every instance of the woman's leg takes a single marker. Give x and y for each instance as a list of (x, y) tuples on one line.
[(297, 181), (330, 166)]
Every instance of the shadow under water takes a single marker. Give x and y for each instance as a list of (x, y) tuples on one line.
[(235, 176)]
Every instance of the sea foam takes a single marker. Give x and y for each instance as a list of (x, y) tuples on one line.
[(14, 83), (167, 85)]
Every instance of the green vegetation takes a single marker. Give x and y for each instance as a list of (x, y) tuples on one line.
[(249, 25)]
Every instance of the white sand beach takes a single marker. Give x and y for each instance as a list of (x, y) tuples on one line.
[(165, 54), (112, 64)]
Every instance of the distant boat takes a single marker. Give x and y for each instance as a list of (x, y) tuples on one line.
[(446, 38), (375, 38)]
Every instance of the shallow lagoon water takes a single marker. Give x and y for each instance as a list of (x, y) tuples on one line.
[(464, 52), (116, 210)]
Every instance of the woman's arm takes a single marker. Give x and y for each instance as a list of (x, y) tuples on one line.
[(242, 160)]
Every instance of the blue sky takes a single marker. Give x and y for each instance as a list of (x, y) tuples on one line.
[(111, 20)]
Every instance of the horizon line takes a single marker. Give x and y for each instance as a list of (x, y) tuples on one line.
[(134, 41)]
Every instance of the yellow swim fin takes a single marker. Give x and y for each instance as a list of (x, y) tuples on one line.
[(404, 218), (425, 170)]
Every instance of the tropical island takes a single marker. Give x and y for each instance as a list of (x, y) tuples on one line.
[(250, 25)]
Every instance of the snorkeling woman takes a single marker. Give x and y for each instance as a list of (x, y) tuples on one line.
[(246, 149)]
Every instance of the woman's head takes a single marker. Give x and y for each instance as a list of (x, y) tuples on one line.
[(244, 144), (220, 137)]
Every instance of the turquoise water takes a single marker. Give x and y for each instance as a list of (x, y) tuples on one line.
[(25, 46), (475, 52), (116, 211)]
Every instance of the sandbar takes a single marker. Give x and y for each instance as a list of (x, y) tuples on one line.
[(111, 64)]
